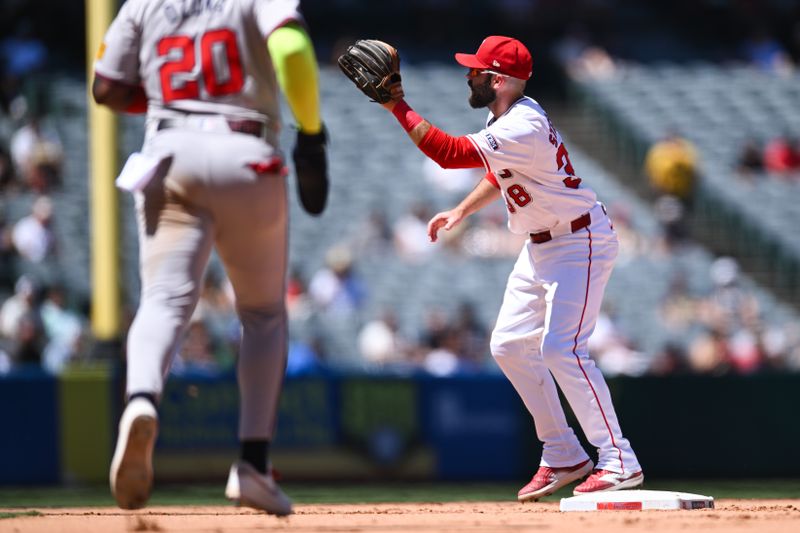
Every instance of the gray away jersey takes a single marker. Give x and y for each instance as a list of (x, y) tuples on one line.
[(202, 56)]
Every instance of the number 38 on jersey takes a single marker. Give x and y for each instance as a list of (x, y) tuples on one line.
[(517, 195)]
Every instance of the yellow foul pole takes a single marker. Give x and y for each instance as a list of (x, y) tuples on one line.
[(104, 203)]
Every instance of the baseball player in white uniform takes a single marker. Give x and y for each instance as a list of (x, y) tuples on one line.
[(208, 74), (554, 293)]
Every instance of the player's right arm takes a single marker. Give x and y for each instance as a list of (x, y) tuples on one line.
[(481, 196), (447, 150)]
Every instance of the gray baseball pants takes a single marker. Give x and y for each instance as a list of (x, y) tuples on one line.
[(207, 195)]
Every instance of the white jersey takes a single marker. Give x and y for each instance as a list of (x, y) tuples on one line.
[(198, 56), (531, 164)]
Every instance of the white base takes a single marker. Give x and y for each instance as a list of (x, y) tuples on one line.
[(636, 500)]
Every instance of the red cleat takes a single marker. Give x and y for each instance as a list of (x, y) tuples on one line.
[(604, 480), (548, 480)]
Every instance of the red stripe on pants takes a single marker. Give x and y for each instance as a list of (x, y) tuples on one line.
[(577, 358)]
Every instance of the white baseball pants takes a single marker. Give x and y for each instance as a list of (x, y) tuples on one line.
[(549, 310)]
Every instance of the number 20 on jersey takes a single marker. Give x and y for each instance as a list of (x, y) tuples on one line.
[(219, 57)]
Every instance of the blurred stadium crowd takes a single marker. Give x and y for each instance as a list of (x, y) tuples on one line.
[(367, 292)]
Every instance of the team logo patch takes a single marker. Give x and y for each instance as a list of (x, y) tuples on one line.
[(493, 144)]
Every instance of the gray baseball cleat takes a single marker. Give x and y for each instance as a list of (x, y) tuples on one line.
[(249, 487), (131, 473)]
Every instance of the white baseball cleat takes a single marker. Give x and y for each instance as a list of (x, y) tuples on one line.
[(131, 473), (249, 487), (548, 480), (604, 480)]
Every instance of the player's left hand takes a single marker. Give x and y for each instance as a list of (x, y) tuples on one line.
[(446, 219), (397, 93), (374, 67)]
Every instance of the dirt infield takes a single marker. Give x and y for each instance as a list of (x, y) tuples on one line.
[(762, 516)]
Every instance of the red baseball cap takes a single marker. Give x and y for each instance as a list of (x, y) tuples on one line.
[(501, 54)]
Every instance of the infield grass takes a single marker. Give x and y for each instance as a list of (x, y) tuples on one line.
[(98, 496)]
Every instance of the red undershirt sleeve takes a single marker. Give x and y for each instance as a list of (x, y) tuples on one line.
[(491, 178), (449, 151), (446, 150)]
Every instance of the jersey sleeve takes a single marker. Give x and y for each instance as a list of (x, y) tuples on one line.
[(272, 14), (118, 56), (506, 144)]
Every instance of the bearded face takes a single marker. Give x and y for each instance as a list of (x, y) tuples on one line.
[(482, 93)]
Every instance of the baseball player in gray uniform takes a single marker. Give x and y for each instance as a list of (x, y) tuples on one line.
[(208, 74)]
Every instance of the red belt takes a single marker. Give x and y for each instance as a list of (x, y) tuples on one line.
[(579, 223)]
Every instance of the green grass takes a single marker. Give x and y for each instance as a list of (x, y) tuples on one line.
[(98, 496), (17, 515)]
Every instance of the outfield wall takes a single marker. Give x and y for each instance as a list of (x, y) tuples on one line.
[(369, 427)]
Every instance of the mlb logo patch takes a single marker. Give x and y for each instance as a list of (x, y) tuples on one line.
[(493, 144)]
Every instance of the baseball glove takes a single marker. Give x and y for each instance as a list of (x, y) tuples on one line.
[(373, 66)]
